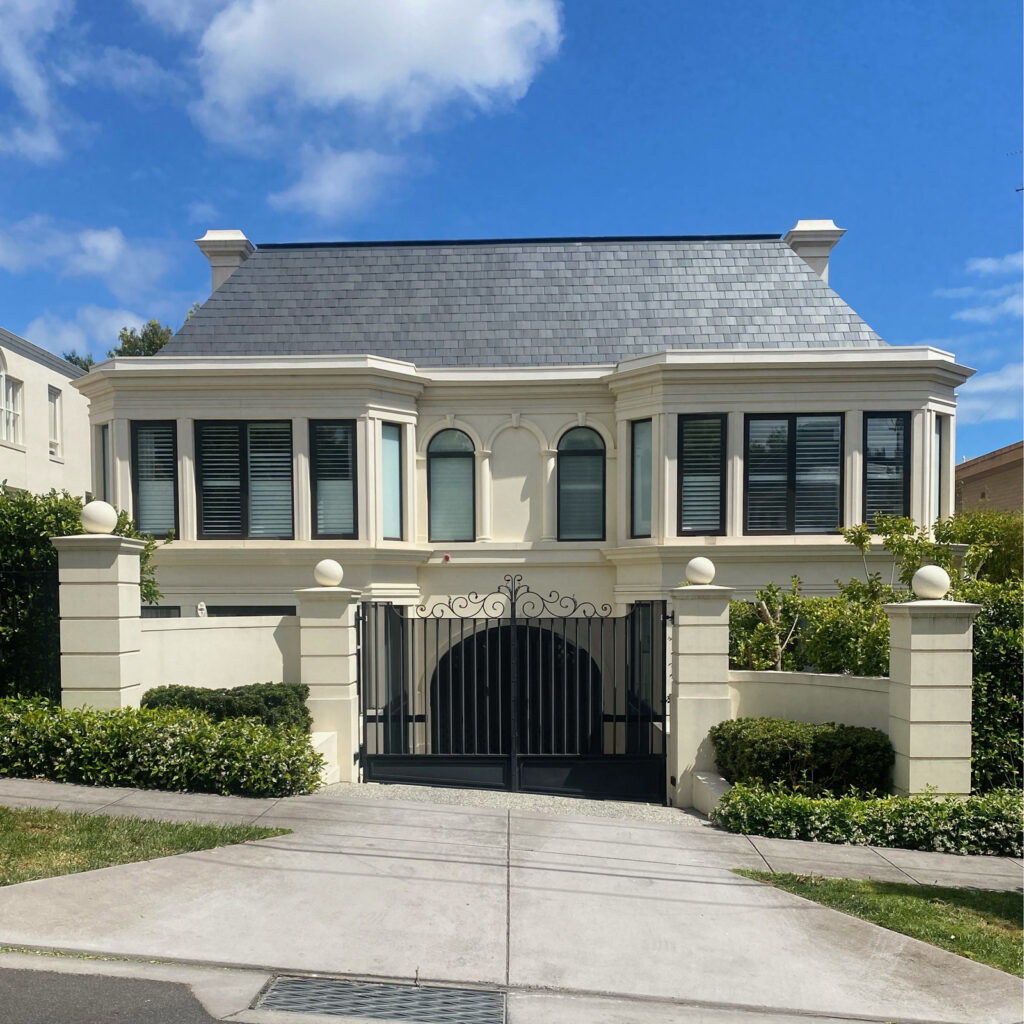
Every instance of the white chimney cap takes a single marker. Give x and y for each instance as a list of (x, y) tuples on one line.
[(226, 249), (813, 241)]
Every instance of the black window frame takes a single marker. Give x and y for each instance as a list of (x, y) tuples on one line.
[(723, 481), (243, 479), (792, 417), (431, 456), (907, 426), (633, 535), (601, 453), (313, 481), (135, 424)]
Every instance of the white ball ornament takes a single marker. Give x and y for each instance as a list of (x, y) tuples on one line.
[(930, 583), (328, 572), (99, 517), (700, 571)]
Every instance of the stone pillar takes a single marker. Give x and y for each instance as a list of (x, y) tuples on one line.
[(699, 696), (930, 671), (99, 620), (327, 665)]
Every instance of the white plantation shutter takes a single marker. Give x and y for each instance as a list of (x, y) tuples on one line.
[(581, 485), (155, 474), (767, 495), (701, 471), (333, 458), (450, 483), (885, 464), (818, 474), (219, 479), (270, 479)]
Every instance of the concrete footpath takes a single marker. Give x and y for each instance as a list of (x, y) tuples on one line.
[(577, 918)]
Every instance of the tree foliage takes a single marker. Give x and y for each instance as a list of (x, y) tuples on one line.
[(85, 362), (146, 342)]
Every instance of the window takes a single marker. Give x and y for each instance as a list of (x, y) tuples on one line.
[(10, 409), (155, 476), (937, 461), (244, 479), (640, 510), (886, 464), (794, 474), (104, 456), (161, 611), (451, 499), (234, 611), (701, 470), (391, 480), (56, 423), (581, 485), (332, 477)]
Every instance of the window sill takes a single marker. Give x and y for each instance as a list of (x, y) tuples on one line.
[(14, 446), (58, 459)]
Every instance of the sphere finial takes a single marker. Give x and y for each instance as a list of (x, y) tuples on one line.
[(328, 572), (98, 517), (930, 583), (700, 571)]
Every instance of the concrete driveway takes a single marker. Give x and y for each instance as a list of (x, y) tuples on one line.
[(580, 919)]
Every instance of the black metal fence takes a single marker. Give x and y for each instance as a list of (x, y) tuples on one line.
[(29, 633)]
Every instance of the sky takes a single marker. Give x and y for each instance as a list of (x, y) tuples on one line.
[(130, 127)]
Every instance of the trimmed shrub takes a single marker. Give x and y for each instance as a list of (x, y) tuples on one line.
[(803, 758), (987, 824), (274, 704), (154, 748)]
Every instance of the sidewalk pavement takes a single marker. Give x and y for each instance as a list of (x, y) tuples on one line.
[(576, 918)]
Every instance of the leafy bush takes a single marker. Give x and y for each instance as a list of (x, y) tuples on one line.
[(804, 758), (988, 824), (274, 704), (154, 749)]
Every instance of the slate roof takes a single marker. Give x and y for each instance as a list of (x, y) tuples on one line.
[(522, 302)]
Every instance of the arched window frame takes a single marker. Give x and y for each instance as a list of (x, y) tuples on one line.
[(599, 452), (433, 457)]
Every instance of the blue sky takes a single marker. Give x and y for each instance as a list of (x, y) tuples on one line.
[(129, 127)]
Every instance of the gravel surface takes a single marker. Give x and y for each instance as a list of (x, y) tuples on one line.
[(559, 806)]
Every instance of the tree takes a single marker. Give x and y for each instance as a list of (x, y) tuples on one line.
[(85, 362), (146, 342)]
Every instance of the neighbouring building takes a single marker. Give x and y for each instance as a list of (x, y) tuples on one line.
[(994, 480), (44, 421)]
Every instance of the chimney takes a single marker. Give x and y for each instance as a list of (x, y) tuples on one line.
[(226, 251), (812, 241)]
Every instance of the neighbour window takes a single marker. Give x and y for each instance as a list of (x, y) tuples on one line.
[(581, 485), (10, 409), (640, 512), (701, 469), (332, 477), (155, 476), (244, 479), (104, 456), (391, 480), (886, 464), (451, 483), (56, 417), (937, 461), (793, 474)]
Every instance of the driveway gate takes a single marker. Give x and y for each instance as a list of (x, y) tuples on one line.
[(515, 691)]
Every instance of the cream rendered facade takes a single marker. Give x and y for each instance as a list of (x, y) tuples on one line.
[(44, 420), (515, 418)]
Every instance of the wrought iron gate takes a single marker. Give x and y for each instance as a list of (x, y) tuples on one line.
[(515, 690)]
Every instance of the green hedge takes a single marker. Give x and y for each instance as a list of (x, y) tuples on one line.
[(988, 824), (154, 749), (804, 758), (274, 704)]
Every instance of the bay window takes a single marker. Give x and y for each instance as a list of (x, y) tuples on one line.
[(700, 467), (154, 465), (886, 464), (332, 478)]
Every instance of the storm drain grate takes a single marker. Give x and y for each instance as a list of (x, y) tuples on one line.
[(375, 1001)]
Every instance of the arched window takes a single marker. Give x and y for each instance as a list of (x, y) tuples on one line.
[(451, 490), (581, 485)]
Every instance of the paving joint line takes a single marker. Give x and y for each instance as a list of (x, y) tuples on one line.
[(902, 871), (750, 840)]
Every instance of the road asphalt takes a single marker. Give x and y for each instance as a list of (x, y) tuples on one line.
[(569, 917)]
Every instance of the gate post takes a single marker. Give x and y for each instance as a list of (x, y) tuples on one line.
[(699, 679), (328, 666)]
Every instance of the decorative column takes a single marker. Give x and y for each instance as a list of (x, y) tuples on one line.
[(699, 696), (930, 673), (99, 613), (483, 490), (550, 502), (327, 665)]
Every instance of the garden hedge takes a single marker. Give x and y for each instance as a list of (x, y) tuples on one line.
[(984, 824), (804, 758), (274, 704), (153, 748)]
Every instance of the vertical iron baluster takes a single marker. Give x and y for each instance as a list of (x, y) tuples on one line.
[(381, 733), (451, 693), (578, 706), (513, 763), (590, 688), (615, 686), (565, 688), (429, 687)]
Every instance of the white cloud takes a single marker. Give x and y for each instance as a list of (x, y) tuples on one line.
[(999, 302), (93, 330), (31, 128), (184, 16), (1012, 263), (201, 212), (992, 396), (119, 70), (128, 268), (332, 184)]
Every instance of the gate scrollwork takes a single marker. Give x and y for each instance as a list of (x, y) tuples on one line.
[(513, 599)]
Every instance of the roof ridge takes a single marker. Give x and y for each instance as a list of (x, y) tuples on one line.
[(544, 240)]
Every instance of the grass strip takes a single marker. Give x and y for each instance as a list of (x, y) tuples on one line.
[(43, 843), (974, 923)]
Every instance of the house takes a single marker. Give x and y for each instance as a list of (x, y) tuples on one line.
[(44, 421), (993, 480), (514, 449)]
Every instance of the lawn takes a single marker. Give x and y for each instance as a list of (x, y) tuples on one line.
[(980, 925), (43, 843)]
